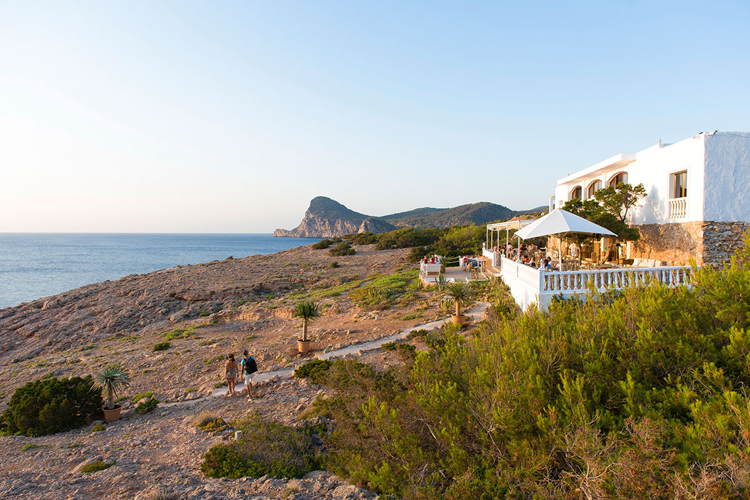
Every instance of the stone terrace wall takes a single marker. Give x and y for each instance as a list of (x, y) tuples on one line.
[(722, 239), (674, 244), (707, 242)]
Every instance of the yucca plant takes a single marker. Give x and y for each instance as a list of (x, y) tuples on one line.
[(307, 311), (460, 293), (112, 379)]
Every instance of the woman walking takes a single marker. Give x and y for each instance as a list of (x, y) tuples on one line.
[(230, 373)]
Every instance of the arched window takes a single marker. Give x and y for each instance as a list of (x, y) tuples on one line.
[(621, 177), (593, 188), (576, 193)]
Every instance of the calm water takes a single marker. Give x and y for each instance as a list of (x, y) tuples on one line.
[(39, 265)]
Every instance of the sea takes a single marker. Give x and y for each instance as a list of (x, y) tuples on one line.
[(35, 265)]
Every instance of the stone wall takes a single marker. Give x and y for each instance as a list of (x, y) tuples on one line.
[(722, 239), (674, 244), (707, 242)]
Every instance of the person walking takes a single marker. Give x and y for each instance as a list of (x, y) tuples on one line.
[(230, 373), (249, 369)]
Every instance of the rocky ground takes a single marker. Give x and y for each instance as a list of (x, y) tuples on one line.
[(211, 310)]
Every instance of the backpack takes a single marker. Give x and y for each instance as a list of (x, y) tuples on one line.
[(250, 365)]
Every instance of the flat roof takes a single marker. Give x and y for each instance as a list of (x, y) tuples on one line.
[(616, 161)]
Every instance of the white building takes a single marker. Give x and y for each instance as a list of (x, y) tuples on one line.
[(698, 196)]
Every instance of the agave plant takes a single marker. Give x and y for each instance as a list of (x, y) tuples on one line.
[(307, 311), (460, 293), (112, 379)]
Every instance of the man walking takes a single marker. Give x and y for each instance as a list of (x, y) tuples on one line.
[(249, 369)]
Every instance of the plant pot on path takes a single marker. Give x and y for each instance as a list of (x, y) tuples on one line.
[(459, 320), (112, 415), (303, 346)]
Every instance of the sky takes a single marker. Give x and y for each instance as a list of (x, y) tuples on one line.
[(147, 116)]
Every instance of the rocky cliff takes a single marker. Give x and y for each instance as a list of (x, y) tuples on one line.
[(326, 218)]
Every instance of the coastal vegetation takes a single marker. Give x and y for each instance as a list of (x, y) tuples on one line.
[(264, 448), (636, 395), (51, 405), (449, 242)]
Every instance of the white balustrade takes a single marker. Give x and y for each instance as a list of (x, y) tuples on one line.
[(579, 281), (529, 285), (678, 209)]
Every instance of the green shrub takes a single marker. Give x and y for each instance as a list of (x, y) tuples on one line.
[(342, 249), (31, 446), (51, 405), (143, 395), (265, 448), (334, 265), (416, 334), (98, 427), (411, 316), (146, 407), (322, 244), (162, 346), (96, 466), (406, 351), (312, 369)]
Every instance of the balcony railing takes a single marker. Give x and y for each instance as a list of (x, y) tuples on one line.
[(678, 209), (529, 285)]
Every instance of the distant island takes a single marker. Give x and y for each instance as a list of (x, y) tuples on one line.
[(327, 218)]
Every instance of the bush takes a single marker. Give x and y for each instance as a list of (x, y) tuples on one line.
[(51, 405), (322, 244), (342, 249), (146, 407), (313, 369), (143, 395), (210, 421), (334, 265), (96, 466), (265, 448), (98, 427), (162, 346)]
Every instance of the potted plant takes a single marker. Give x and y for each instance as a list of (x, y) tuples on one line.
[(307, 311), (112, 379), (461, 295)]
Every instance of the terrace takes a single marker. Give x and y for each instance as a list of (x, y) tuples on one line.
[(529, 285)]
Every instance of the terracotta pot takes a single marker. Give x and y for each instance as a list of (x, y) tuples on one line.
[(112, 415), (303, 346), (459, 320)]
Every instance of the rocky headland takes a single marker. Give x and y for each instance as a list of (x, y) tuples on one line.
[(327, 218), (208, 311)]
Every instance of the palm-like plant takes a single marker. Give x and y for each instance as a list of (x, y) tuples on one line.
[(307, 311), (460, 293), (112, 379)]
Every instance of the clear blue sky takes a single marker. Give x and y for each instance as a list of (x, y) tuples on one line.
[(230, 116)]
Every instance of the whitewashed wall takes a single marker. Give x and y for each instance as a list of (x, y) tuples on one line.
[(727, 187), (654, 166)]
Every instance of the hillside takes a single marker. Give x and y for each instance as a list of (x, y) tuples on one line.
[(474, 213), (207, 311), (327, 218)]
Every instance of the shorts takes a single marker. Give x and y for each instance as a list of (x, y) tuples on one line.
[(249, 378)]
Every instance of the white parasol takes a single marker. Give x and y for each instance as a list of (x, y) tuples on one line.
[(559, 222)]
